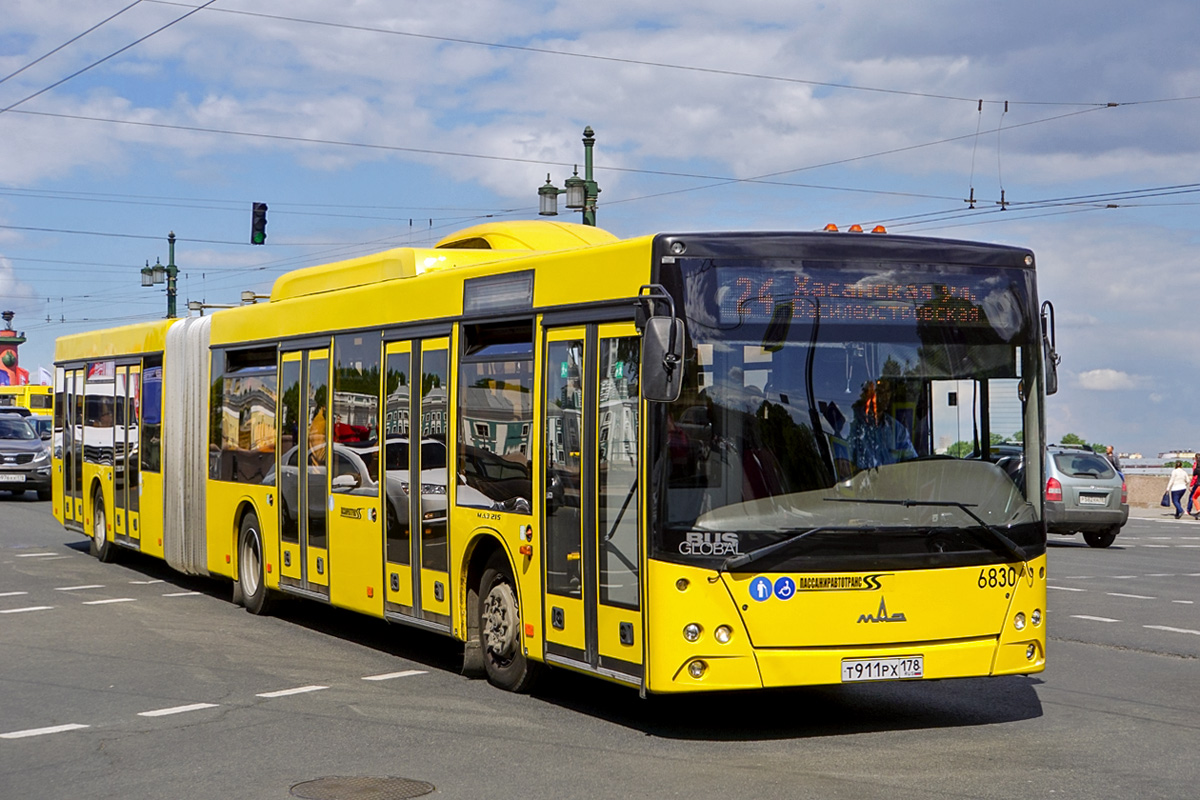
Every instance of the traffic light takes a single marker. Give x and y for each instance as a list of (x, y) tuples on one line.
[(258, 224)]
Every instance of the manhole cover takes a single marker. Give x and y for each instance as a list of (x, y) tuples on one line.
[(338, 788)]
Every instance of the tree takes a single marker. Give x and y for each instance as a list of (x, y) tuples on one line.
[(1071, 438)]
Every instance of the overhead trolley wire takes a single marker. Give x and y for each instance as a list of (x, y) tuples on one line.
[(107, 57), (70, 41)]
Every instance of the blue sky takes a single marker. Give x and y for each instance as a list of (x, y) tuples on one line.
[(859, 112)]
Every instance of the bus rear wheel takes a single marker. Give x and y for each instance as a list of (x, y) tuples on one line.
[(500, 638), (101, 547), (252, 589)]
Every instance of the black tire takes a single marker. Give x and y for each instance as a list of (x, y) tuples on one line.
[(103, 549), (1102, 538), (500, 638), (250, 585)]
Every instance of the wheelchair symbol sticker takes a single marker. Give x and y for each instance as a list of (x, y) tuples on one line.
[(785, 587), (760, 589)]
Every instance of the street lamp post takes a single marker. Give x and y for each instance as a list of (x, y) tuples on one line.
[(158, 274), (581, 193)]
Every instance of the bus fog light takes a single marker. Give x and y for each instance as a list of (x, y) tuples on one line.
[(1019, 621), (1030, 652), (691, 631), (1036, 617), (697, 668), (723, 634)]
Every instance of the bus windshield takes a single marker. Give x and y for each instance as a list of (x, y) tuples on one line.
[(871, 414)]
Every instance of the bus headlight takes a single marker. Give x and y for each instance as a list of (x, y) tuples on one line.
[(723, 634), (697, 668), (1019, 621), (1030, 652), (692, 631), (1036, 617)]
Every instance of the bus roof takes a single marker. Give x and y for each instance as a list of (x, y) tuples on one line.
[(480, 244), (141, 337)]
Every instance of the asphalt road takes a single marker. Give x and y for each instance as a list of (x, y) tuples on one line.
[(129, 681)]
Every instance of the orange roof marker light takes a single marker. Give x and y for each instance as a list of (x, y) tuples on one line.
[(879, 229), (855, 228), (831, 228)]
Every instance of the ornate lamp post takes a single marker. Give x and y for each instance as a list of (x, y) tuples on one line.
[(581, 193)]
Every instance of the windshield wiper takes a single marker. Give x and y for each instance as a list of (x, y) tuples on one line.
[(743, 559), (1008, 544)]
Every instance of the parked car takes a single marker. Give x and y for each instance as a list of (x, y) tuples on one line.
[(1084, 494), (24, 458)]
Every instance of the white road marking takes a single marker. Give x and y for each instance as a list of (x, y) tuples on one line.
[(1170, 629), (111, 600), (12, 594), (27, 608), (1156, 545), (78, 588), (1066, 588), (1125, 577), (387, 676), (166, 712), (146, 583), (36, 555), (1184, 602), (181, 594), (42, 731), (1094, 619), (297, 690), (1131, 596), (1160, 575)]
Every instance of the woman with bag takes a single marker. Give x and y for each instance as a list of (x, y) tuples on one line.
[(1177, 484)]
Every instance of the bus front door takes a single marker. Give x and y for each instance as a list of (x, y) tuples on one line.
[(590, 500), (303, 471)]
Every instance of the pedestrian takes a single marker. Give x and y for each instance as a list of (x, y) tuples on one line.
[(1112, 458), (1193, 506), (1177, 484)]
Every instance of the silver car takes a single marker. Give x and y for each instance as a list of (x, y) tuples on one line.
[(1084, 494), (24, 458)]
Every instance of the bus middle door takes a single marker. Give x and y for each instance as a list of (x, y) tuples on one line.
[(303, 470)]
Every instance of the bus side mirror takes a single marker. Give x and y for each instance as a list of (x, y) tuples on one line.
[(1051, 356), (662, 359)]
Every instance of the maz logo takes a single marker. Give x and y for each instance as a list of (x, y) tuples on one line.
[(882, 615)]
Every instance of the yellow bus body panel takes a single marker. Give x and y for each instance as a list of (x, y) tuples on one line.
[(803, 640), (356, 577)]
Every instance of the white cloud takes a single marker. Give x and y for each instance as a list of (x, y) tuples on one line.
[(1107, 380)]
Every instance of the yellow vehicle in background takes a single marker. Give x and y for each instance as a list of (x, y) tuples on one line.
[(38, 399), (682, 462)]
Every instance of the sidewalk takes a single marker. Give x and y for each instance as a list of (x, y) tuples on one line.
[(1156, 512)]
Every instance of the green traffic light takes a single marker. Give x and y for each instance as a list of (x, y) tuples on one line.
[(258, 224)]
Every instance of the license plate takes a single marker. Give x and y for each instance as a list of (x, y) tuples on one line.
[(8, 477), (883, 669), (1093, 499)]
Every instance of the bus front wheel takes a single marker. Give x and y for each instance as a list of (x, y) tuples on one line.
[(253, 591), (500, 639), (101, 547)]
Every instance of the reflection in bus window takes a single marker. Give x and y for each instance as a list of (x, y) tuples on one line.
[(496, 414), (356, 413), (617, 504)]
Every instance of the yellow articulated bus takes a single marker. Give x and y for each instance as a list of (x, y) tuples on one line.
[(688, 462), (38, 399)]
